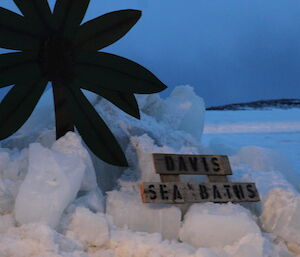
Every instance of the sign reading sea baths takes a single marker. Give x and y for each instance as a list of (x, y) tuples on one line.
[(216, 167)]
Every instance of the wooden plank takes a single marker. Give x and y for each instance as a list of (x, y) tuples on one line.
[(187, 164), (169, 178), (181, 192)]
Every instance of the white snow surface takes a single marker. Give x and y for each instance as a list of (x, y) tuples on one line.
[(90, 229), (50, 205), (216, 225), (52, 182), (127, 210)]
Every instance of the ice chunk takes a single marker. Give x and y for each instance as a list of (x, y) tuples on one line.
[(126, 243), (127, 210), (103, 253), (4, 160), (266, 160), (215, 225), (71, 144), (179, 128), (28, 240), (32, 240), (6, 222), (259, 158), (93, 200), (280, 215), (150, 104), (47, 138), (144, 147), (142, 160), (206, 252), (14, 164), (107, 174), (6, 198), (255, 245), (183, 110), (91, 229), (52, 182)]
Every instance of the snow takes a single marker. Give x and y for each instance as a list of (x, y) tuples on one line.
[(90, 229), (6, 198), (216, 225), (6, 221), (281, 215), (127, 210), (50, 205), (178, 111), (256, 245), (93, 200), (257, 121), (37, 240), (52, 182)]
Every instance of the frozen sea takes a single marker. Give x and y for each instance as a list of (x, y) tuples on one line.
[(276, 129)]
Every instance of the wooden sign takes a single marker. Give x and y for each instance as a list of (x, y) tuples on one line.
[(172, 164), (180, 192), (215, 167)]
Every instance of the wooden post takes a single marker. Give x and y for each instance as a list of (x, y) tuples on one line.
[(169, 178)]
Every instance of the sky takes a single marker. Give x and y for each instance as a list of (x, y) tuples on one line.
[(229, 50)]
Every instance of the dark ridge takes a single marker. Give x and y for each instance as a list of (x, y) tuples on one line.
[(262, 104)]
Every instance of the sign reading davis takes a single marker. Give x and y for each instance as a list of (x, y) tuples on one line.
[(215, 167), (181, 192), (191, 164)]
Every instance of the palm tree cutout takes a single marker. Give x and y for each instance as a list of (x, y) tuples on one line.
[(55, 47)]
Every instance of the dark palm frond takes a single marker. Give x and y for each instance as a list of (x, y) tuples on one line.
[(37, 11), (68, 15), (92, 128), (18, 104), (15, 67), (16, 33), (55, 47), (106, 29), (125, 101), (116, 73)]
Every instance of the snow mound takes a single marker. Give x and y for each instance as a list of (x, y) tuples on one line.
[(6, 221), (216, 225), (142, 148), (52, 182), (125, 243), (36, 240), (92, 200), (262, 159), (265, 167), (50, 205), (127, 210), (90, 229), (281, 216), (6, 198), (70, 144), (256, 245), (178, 111)]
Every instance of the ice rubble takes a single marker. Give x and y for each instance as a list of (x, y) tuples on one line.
[(223, 225), (90, 229), (281, 216), (77, 224), (52, 182), (126, 210)]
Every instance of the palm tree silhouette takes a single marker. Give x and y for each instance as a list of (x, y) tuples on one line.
[(55, 47)]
